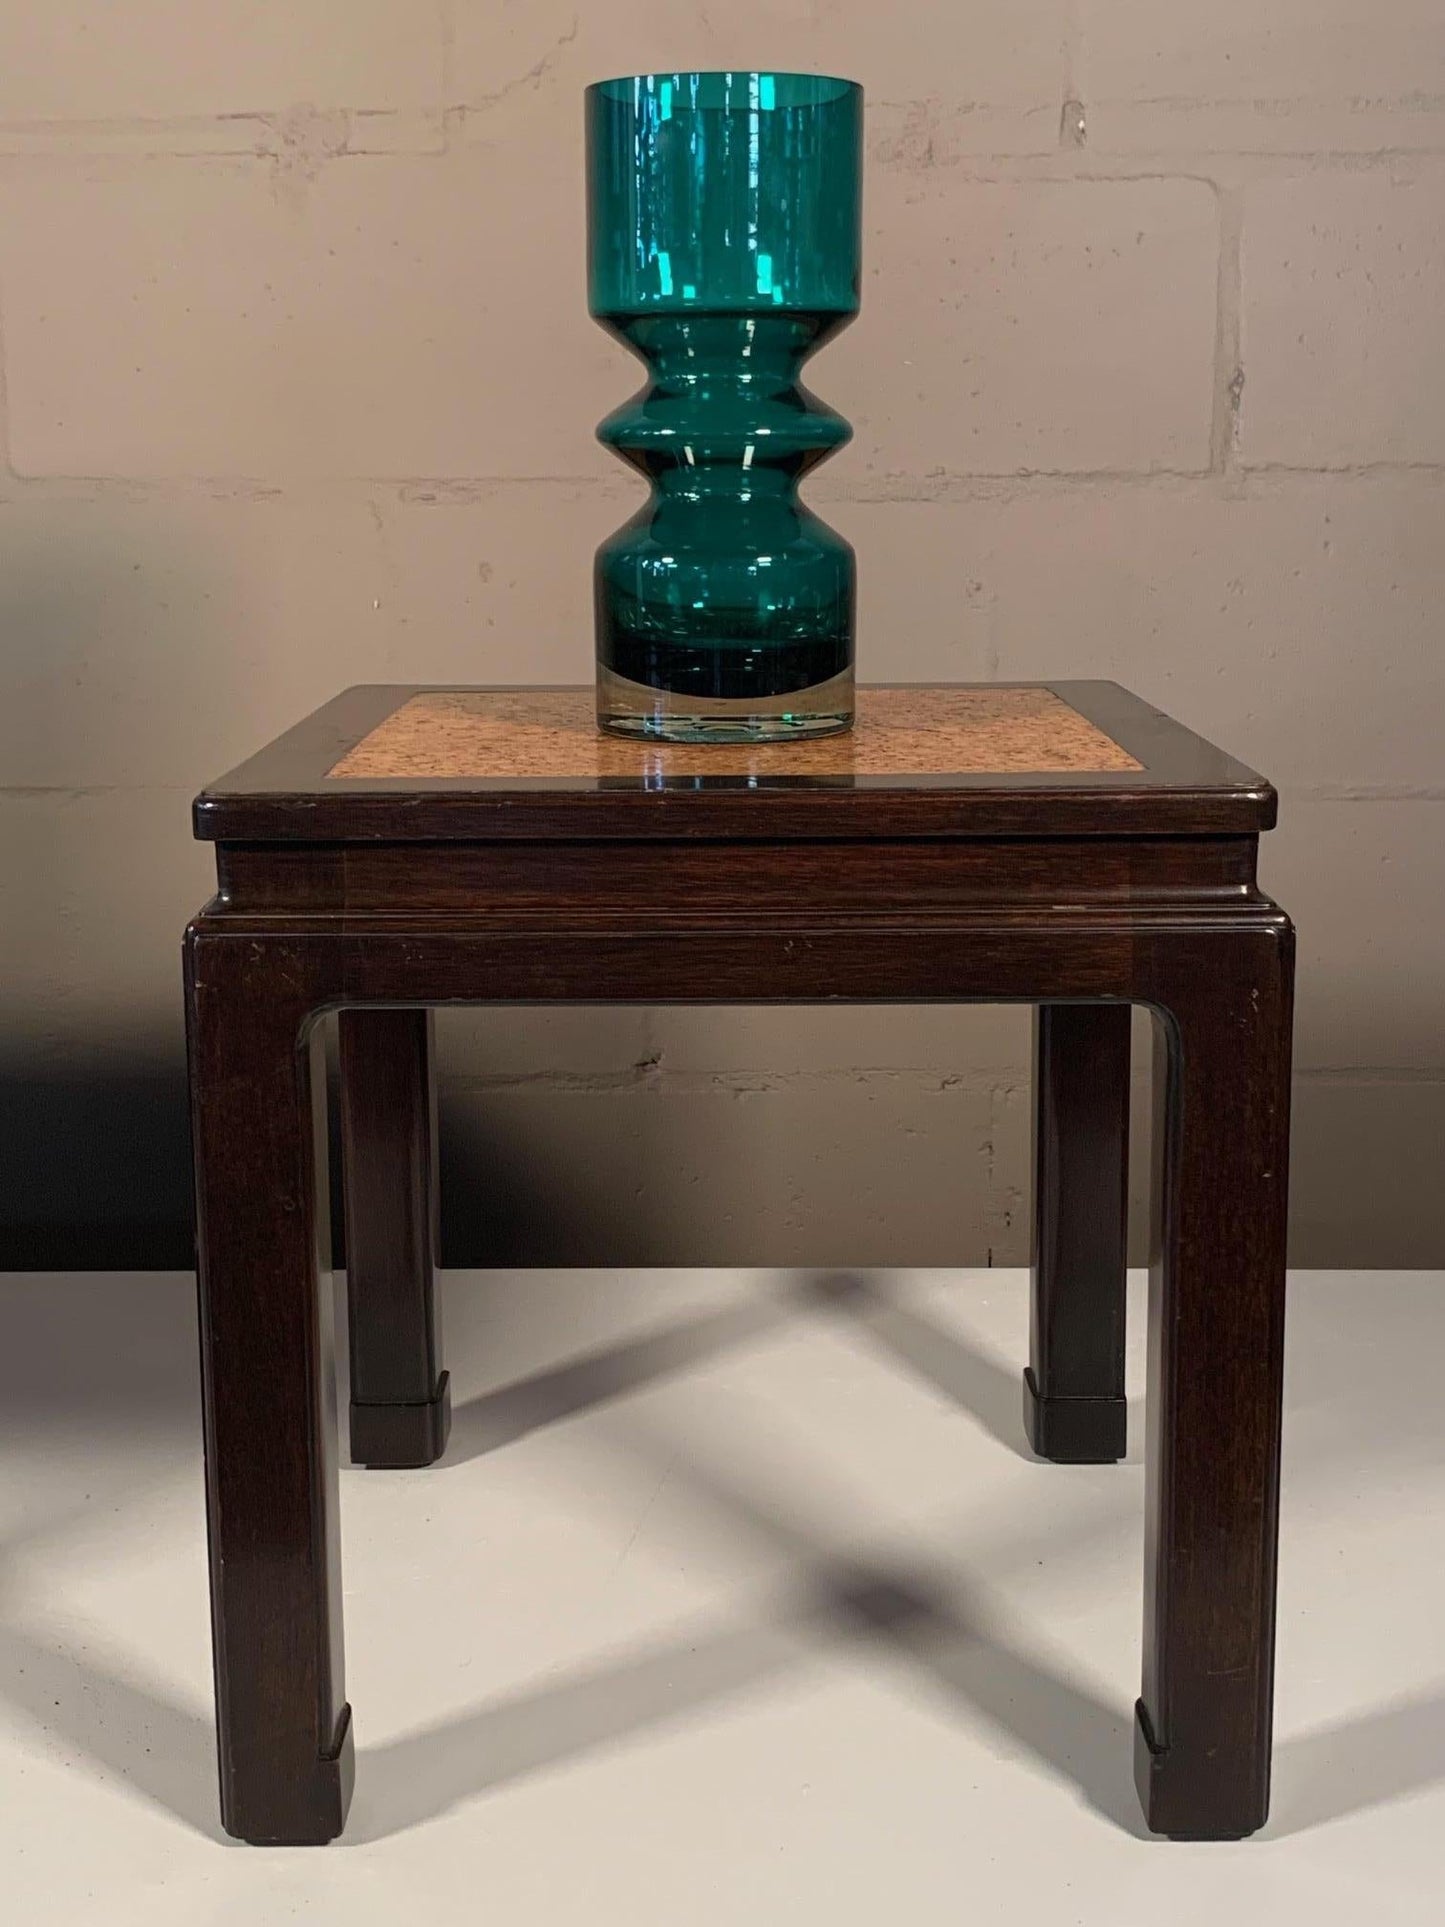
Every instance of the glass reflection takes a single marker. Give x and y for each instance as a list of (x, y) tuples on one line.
[(724, 250)]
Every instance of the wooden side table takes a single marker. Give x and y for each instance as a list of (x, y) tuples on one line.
[(1063, 846)]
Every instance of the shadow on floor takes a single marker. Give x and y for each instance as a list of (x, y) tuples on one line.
[(114, 1716), (1371, 1760), (128, 1725), (1048, 1717), (943, 1359), (129, 1728), (137, 1735), (1024, 1699), (596, 1377)]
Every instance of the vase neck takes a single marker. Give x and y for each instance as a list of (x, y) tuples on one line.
[(738, 348), (724, 411)]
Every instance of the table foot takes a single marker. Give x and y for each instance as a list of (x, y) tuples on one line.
[(311, 1814), (402, 1436), (1191, 1799), (1074, 1431)]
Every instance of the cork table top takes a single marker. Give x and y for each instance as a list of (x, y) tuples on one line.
[(407, 763), (492, 733)]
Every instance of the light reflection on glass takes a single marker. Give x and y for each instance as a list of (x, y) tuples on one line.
[(723, 248)]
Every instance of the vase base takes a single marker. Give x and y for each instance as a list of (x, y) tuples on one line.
[(664, 716)]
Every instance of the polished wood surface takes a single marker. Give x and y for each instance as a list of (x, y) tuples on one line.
[(506, 904), (269, 1397), (511, 882), (400, 1401), (1182, 786), (1074, 1410), (1216, 1359)]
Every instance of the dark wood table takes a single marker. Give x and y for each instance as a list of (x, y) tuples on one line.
[(1064, 846)]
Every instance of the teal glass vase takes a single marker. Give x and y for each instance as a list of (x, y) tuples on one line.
[(723, 243)]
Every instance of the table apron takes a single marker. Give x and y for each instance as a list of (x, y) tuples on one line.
[(624, 879), (1132, 957)]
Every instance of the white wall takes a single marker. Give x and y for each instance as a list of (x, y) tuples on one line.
[(297, 388)]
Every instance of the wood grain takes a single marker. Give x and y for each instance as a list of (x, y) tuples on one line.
[(1074, 1405), (1065, 889), (400, 1400), (1170, 782)]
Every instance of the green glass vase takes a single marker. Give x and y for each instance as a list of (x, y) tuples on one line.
[(723, 241)]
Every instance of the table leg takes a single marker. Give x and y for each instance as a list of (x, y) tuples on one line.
[(1074, 1409), (269, 1395), (1216, 1334), (400, 1400)]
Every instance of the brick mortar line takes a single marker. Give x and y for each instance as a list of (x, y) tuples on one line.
[(1076, 56), (447, 27), (36, 146), (651, 1074), (1228, 304), (25, 790), (251, 138), (1073, 75), (1366, 1075), (1363, 470), (1242, 480), (7, 466), (735, 1082), (1363, 793), (1239, 473)]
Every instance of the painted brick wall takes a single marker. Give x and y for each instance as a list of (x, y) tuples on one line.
[(297, 389)]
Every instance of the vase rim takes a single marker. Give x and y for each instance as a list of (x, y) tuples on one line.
[(620, 87)]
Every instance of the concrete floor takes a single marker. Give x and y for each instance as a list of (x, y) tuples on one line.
[(734, 1601)]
